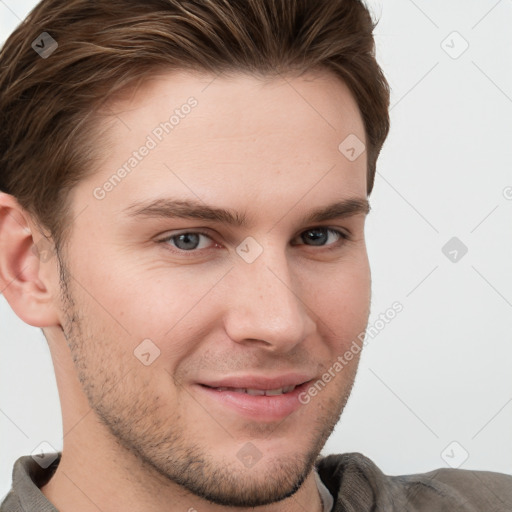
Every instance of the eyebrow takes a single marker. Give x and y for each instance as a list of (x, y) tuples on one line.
[(196, 210)]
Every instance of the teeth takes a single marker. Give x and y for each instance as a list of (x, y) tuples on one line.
[(255, 392), (260, 392), (273, 392)]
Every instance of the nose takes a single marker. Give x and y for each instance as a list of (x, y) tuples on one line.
[(267, 306)]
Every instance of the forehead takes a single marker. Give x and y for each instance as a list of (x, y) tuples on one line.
[(215, 137)]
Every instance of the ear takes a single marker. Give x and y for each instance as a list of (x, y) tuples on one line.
[(28, 266)]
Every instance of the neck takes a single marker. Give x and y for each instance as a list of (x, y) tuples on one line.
[(99, 480)]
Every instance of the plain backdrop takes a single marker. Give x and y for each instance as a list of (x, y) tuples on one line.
[(434, 387)]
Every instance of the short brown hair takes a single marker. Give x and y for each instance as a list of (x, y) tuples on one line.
[(48, 140)]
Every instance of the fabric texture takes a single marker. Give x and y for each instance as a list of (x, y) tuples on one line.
[(355, 483), (358, 485)]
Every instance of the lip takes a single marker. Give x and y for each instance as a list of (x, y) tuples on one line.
[(259, 382), (260, 408)]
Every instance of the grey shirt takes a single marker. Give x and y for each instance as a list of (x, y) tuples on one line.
[(353, 481)]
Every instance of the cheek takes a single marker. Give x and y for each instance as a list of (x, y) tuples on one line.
[(343, 311), (136, 301), (341, 298)]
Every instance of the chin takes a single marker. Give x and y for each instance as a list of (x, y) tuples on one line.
[(235, 486)]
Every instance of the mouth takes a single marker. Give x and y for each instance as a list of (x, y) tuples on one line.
[(261, 400), (258, 392)]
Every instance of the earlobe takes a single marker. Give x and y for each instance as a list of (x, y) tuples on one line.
[(27, 266)]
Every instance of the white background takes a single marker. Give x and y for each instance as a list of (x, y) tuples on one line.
[(441, 370)]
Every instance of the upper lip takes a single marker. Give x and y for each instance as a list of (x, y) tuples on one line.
[(258, 382)]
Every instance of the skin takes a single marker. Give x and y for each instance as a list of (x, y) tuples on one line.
[(140, 437)]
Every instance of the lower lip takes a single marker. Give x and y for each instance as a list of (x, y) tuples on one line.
[(260, 407)]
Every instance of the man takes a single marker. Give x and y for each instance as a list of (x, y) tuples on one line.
[(184, 192)]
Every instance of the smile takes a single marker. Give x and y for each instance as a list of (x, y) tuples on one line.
[(259, 392), (260, 400)]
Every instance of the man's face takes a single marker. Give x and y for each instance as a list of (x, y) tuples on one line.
[(170, 320)]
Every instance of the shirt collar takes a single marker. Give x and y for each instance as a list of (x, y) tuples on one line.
[(325, 495)]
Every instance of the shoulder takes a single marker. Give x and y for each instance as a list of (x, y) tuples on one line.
[(355, 480)]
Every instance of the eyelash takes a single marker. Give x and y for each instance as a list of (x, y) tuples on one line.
[(343, 237)]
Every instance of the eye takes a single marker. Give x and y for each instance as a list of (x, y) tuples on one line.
[(190, 241), (320, 235), (187, 241)]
